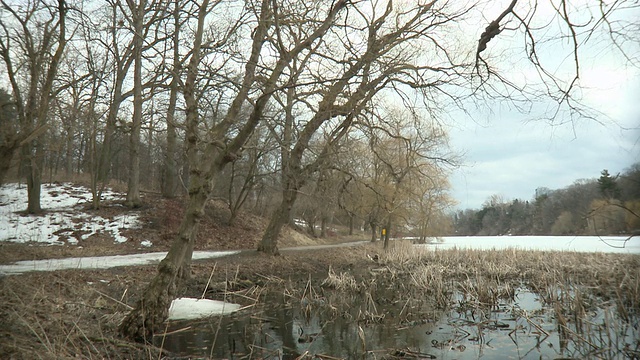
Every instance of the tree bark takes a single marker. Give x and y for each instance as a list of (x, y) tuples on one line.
[(33, 173), (133, 190), (152, 308), (269, 242), (170, 174)]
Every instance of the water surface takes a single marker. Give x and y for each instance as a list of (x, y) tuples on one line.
[(521, 328)]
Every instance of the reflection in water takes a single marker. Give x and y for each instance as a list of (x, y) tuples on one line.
[(286, 332), (522, 329)]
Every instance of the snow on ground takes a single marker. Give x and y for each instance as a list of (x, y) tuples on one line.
[(189, 308), (63, 219), (99, 262), (606, 244)]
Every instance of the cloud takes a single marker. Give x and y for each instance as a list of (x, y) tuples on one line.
[(513, 157)]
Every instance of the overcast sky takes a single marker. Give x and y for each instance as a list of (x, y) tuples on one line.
[(511, 156)]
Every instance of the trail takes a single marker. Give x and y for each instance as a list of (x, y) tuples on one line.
[(106, 262)]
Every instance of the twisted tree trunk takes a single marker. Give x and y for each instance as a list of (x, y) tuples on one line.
[(153, 306)]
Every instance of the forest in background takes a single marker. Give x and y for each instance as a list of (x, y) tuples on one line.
[(268, 106), (263, 105), (606, 205)]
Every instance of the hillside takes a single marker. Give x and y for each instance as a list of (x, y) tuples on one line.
[(70, 228)]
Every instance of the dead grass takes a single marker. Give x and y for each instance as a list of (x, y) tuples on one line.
[(74, 314), (64, 316), (341, 282), (601, 272), (593, 296)]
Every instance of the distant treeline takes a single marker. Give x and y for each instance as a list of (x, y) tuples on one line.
[(607, 205)]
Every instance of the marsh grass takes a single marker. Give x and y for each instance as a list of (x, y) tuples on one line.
[(342, 281), (59, 317), (594, 298), (588, 302), (492, 275)]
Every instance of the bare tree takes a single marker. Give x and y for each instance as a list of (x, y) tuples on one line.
[(70, 106), (110, 64), (142, 18), (30, 33), (215, 154), (380, 60), (138, 12), (170, 173), (244, 173), (320, 66)]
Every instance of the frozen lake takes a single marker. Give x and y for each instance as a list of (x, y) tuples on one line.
[(607, 244)]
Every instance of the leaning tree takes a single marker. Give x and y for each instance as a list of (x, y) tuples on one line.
[(209, 152), (327, 63)]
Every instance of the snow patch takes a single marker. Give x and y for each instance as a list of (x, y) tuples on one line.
[(100, 262), (64, 219), (190, 308)]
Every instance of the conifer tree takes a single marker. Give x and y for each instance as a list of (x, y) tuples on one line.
[(608, 185)]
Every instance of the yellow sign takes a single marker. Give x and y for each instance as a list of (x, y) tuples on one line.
[(384, 232)]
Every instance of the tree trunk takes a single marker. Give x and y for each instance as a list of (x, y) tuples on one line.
[(386, 234), (374, 232), (34, 177), (133, 192), (170, 173), (68, 164), (152, 308), (101, 159), (269, 242)]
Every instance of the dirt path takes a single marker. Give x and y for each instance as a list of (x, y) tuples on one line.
[(112, 261)]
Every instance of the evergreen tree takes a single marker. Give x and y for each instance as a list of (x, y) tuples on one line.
[(608, 185)]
